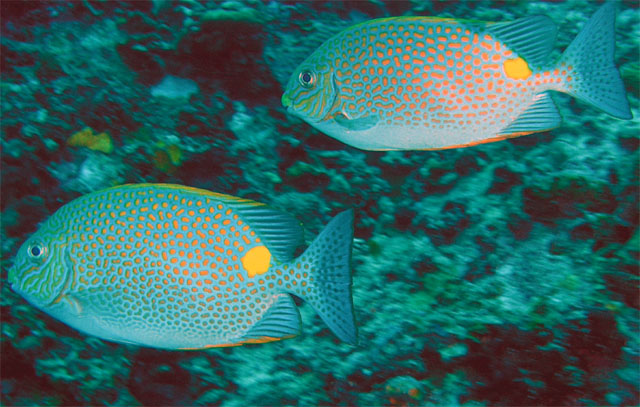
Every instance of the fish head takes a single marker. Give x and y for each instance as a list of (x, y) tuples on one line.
[(42, 270), (311, 92)]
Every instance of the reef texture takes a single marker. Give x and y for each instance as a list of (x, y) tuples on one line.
[(502, 274)]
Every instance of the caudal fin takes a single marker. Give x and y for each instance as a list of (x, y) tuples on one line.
[(595, 78), (329, 285)]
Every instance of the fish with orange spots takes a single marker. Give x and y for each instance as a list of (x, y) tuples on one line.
[(415, 83), (175, 267)]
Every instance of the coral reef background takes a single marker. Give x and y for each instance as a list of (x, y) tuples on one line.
[(502, 274)]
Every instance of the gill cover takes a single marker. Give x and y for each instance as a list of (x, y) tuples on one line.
[(311, 92), (38, 274)]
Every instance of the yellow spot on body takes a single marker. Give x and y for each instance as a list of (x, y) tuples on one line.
[(517, 68), (256, 260)]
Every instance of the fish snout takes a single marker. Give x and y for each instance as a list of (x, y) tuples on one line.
[(286, 101), (12, 277)]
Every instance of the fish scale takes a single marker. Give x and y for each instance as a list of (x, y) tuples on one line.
[(177, 267), (443, 79), (432, 83), (157, 246)]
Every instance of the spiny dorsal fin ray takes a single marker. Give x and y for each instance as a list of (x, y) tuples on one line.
[(532, 38), (280, 232)]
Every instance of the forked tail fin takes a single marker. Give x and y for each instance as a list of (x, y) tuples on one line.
[(592, 75), (328, 288)]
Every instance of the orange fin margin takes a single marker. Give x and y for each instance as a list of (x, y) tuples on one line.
[(485, 141), (263, 339)]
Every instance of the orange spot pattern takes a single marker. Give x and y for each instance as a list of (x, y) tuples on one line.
[(435, 74), (171, 257)]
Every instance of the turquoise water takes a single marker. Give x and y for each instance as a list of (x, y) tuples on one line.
[(501, 274)]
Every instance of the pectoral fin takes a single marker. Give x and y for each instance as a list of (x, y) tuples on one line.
[(361, 123)]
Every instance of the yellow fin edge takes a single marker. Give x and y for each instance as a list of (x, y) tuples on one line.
[(263, 339)]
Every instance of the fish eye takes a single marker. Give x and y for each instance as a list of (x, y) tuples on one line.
[(307, 79), (36, 251)]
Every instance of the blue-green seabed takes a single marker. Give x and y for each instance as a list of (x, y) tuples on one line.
[(502, 274)]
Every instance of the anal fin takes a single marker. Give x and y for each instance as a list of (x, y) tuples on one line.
[(282, 320), (542, 115)]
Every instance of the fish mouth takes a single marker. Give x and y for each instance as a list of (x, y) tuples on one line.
[(13, 279), (286, 101), (288, 104), (16, 288)]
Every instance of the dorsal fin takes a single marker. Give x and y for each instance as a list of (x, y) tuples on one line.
[(532, 37), (280, 232)]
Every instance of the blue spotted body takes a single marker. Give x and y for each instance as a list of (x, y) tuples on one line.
[(416, 83), (175, 267)]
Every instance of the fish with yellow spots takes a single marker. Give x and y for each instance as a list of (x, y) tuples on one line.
[(175, 267), (414, 83)]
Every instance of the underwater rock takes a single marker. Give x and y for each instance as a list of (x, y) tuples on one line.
[(452, 222), (566, 196), (24, 385), (141, 60), (235, 11), (226, 54), (404, 391), (504, 180), (95, 171), (157, 379), (172, 87)]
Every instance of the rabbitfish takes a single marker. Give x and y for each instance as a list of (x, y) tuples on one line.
[(412, 83), (175, 267)]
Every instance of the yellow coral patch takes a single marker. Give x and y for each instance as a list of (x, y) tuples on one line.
[(175, 154), (256, 261), (517, 68), (167, 158), (86, 138)]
